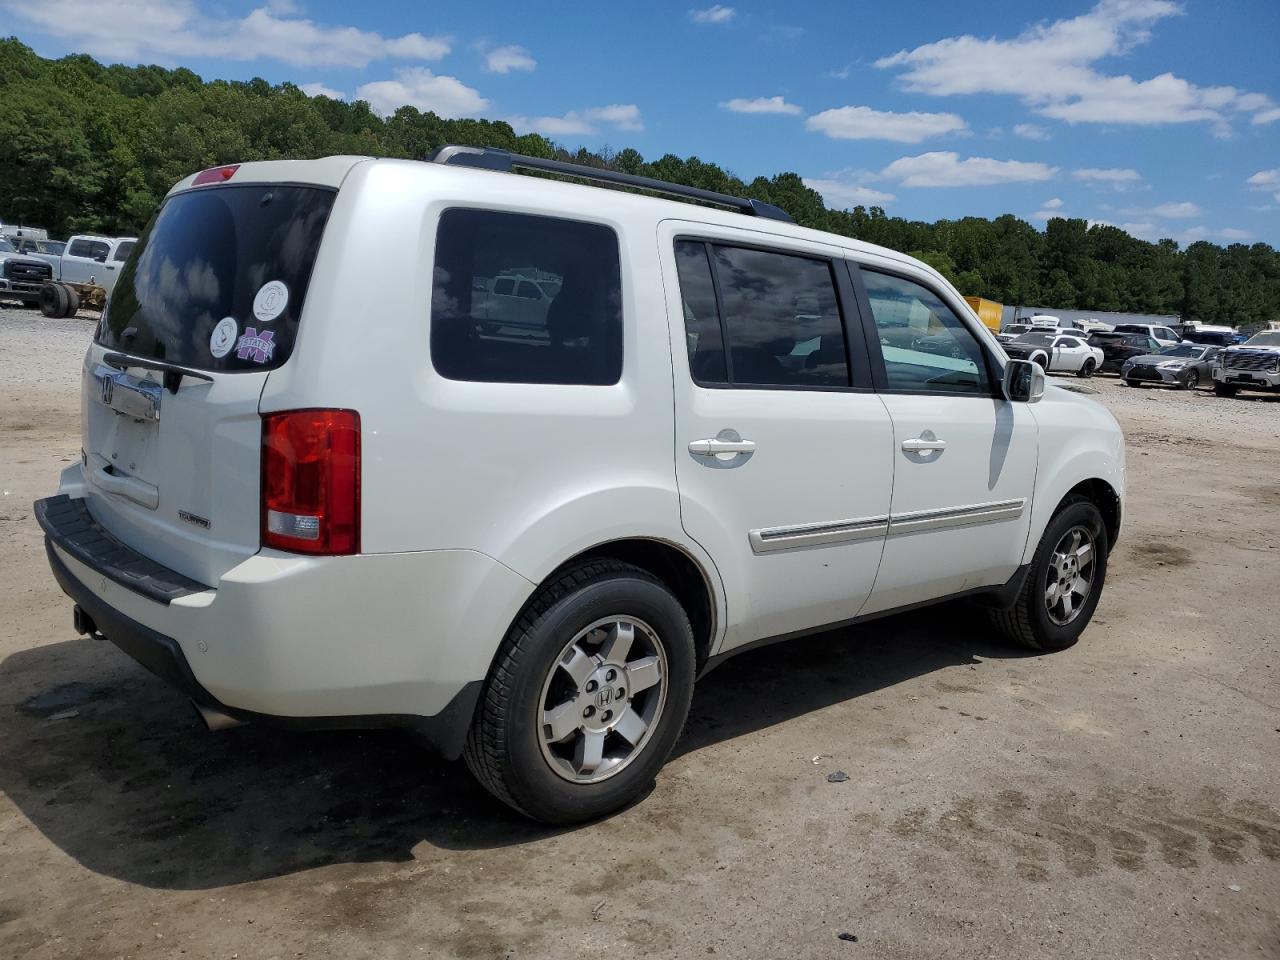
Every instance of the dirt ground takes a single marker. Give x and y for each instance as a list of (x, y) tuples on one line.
[(1120, 799)]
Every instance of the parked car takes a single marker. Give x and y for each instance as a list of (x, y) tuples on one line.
[(21, 276), (1118, 347), (1186, 366), (84, 274), (1217, 336), (1165, 336), (1253, 365), (1011, 331), (40, 248), (524, 548), (1056, 352)]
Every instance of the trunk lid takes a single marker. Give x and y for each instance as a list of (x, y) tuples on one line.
[(209, 302)]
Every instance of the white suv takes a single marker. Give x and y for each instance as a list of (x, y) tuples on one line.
[(317, 488)]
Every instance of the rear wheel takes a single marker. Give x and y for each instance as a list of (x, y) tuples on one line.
[(53, 300), (1087, 369), (587, 695), (73, 301), (1224, 390), (1064, 583)]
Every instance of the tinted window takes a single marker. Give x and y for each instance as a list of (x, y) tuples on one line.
[(188, 292), (574, 337), (123, 251), (1068, 342), (701, 318), (89, 248), (772, 304), (925, 345)]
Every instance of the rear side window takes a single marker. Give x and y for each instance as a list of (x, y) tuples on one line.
[(123, 251), (218, 278), (776, 313), (91, 249), (554, 315)]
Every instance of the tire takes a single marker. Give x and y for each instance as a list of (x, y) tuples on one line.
[(573, 619), (1191, 381), (1041, 360), (1131, 383), (1086, 371), (53, 300), (1035, 619), (1224, 390), (73, 301)]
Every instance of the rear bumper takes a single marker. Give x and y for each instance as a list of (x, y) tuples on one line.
[(374, 640)]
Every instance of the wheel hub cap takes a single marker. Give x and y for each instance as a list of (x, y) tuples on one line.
[(602, 699), (1069, 582)]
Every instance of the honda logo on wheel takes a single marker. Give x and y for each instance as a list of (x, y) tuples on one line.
[(604, 697)]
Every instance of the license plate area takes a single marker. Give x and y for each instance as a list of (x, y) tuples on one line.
[(126, 395)]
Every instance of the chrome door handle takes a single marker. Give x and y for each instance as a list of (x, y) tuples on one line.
[(922, 445), (710, 448)]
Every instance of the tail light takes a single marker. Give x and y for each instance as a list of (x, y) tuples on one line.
[(311, 481)]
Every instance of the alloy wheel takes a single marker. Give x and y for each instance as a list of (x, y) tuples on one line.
[(1070, 576), (602, 699)]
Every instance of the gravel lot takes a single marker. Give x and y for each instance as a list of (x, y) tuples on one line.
[(1120, 799)]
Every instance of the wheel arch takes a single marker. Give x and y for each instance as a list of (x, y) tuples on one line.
[(1104, 497)]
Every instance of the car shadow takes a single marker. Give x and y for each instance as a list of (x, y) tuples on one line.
[(115, 768)]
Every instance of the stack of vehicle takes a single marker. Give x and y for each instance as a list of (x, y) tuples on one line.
[(61, 277), (1151, 354)]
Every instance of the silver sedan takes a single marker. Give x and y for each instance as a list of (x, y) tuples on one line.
[(1185, 365)]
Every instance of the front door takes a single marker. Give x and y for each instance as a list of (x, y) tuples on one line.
[(783, 453), (964, 457)]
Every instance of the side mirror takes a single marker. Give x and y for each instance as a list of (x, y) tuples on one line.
[(1023, 381)]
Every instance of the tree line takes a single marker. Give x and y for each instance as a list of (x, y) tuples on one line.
[(90, 147)]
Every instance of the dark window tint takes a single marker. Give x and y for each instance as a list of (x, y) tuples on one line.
[(123, 251), (203, 259), (573, 337), (926, 348), (91, 249), (701, 319), (782, 319)]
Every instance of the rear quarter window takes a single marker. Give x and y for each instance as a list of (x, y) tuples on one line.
[(512, 334)]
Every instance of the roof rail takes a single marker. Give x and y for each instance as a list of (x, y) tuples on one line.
[(494, 158)]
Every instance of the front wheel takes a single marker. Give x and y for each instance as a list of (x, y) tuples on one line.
[(1192, 380), (587, 695), (1064, 583), (1224, 390)]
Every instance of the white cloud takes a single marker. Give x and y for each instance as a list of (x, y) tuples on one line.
[(1265, 179), (418, 87), (946, 169), (1175, 211), (1049, 209), (1267, 116), (508, 58), (1030, 131), (716, 14), (1050, 67), (1234, 233), (1054, 204), (843, 193), (761, 105), (864, 123), (320, 90), (620, 116), (171, 30), (1108, 175)]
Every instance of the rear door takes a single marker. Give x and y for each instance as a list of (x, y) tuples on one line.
[(783, 452), (964, 457), (80, 260), (216, 285)]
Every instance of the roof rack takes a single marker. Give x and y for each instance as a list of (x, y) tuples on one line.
[(494, 158)]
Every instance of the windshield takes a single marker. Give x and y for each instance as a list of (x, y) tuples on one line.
[(6, 246), (1267, 338), (1183, 350), (1037, 339), (218, 278)]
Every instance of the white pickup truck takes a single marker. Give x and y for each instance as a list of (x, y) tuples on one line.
[(84, 274)]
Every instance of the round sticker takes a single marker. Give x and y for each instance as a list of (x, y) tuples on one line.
[(270, 301), (223, 337)]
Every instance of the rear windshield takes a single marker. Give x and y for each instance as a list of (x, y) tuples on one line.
[(218, 278)]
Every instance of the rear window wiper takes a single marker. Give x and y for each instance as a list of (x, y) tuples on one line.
[(173, 372)]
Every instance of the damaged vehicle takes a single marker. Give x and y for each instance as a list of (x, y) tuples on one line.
[(1253, 365)]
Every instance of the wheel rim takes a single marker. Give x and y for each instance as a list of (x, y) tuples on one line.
[(1069, 582), (602, 699), (1193, 380)]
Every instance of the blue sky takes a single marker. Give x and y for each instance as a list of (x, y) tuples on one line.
[(1159, 116)]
